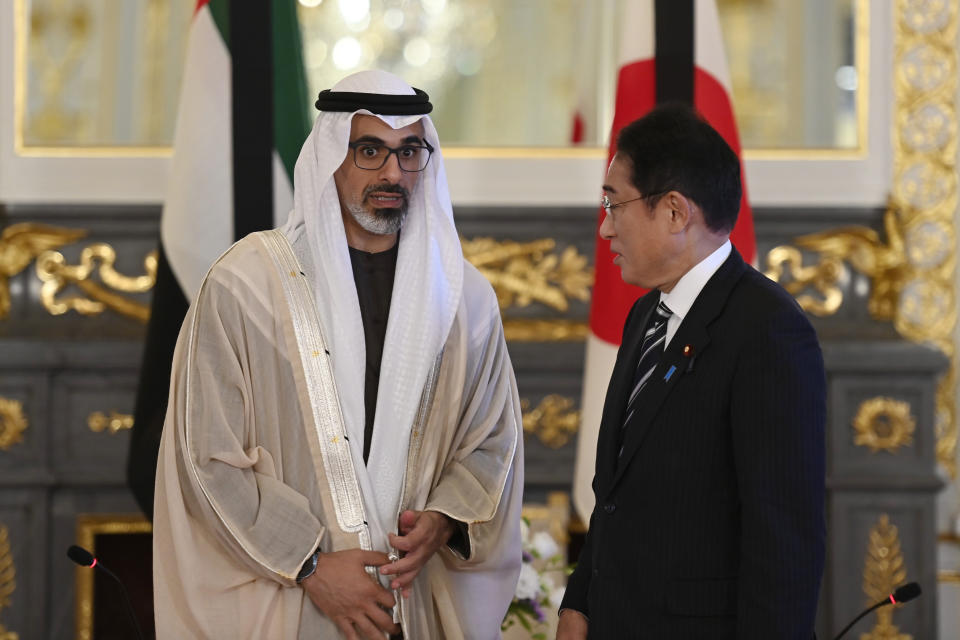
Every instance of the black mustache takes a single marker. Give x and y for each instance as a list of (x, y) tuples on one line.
[(386, 188)]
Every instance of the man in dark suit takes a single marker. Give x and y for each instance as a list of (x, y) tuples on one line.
[(709, 519)]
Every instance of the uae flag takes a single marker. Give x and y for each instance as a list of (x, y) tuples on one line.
[(243, 115), (671, 50)]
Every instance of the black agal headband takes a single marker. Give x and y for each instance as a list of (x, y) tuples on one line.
[(380, 103)]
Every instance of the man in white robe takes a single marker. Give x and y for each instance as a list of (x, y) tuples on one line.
[(282, 509)]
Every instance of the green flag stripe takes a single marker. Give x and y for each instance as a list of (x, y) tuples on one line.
[(291, 105), (221, 18)]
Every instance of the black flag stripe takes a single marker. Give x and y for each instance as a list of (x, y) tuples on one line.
[(674, 38), (252, 75)]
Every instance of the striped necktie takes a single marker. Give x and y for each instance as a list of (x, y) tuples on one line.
[(650, 352)]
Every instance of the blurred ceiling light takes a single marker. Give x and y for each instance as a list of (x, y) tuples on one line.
[(354, 10), (434, 7), (347, 53), (311, 3), (393, 19), (417, 52)]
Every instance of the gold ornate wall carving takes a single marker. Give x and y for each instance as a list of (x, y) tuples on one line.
[(553, 421), (823, 277), (56, 274), (912, 272), (20, 244), (885, 263), (12, 423), (526, 272), (8, 583), (113, 423), (884, 424), (884, 571), (925, 188), (558, 330), (521, 274)]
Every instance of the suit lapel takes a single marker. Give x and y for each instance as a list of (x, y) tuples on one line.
[(621, 384), (693, 332)]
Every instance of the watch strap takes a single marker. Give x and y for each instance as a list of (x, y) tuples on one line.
[(309, 567)]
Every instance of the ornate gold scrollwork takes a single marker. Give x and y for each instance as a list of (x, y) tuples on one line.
[(884, 424), (12, 423), (886, 265), (913, 273), (99, 421), (823, 277), (57, 274), (20, 244), (8, 583), (553, 421), (525, 272), (883, 572), (925, 189), (559, 330)]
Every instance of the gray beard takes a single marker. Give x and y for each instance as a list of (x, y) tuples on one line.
[(384, 222)]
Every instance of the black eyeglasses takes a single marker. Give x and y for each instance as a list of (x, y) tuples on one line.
[(373, 155), (610, 206)]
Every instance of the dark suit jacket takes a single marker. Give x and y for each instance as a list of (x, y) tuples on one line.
[(711, 523)]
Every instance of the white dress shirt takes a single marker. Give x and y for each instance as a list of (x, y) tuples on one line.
[(685, 293)]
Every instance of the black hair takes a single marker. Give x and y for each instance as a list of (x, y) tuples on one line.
[(673, 148)]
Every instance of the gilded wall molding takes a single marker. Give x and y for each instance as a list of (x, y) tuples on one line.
[(553, 421), (526, 272), (549, 330), (8, 582), (884, 424), (56, 274), (823, 277), (13, 423), (884, 570), (99, 422), (522, 273), (20, 244), (88, 528), (912, 270), (925, 189)]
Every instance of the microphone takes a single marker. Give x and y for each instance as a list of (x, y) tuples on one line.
[(906, 593), (86, 559)]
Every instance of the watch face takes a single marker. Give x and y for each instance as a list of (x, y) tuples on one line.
[(308, 567)]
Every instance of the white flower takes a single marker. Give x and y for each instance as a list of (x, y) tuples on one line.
[(545, 545), (528, 586), (547, 583), (556, 596)]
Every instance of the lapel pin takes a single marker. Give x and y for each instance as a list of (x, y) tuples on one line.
[(669, 372), (687, 350)]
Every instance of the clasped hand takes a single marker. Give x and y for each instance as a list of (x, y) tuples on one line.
[(421, 534), (345, 593)]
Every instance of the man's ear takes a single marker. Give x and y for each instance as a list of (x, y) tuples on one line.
[(681, 210)]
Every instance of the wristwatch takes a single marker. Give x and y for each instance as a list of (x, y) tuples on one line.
[(309, 566)]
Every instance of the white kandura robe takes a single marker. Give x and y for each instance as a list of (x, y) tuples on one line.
[(247, 486)]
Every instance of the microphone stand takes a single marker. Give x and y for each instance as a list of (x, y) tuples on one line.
[(859, 617), (126, 599)]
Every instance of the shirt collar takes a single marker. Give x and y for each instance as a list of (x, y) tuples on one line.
[(683, 295)]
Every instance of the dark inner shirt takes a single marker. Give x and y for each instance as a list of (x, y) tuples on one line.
[(373, 276)]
